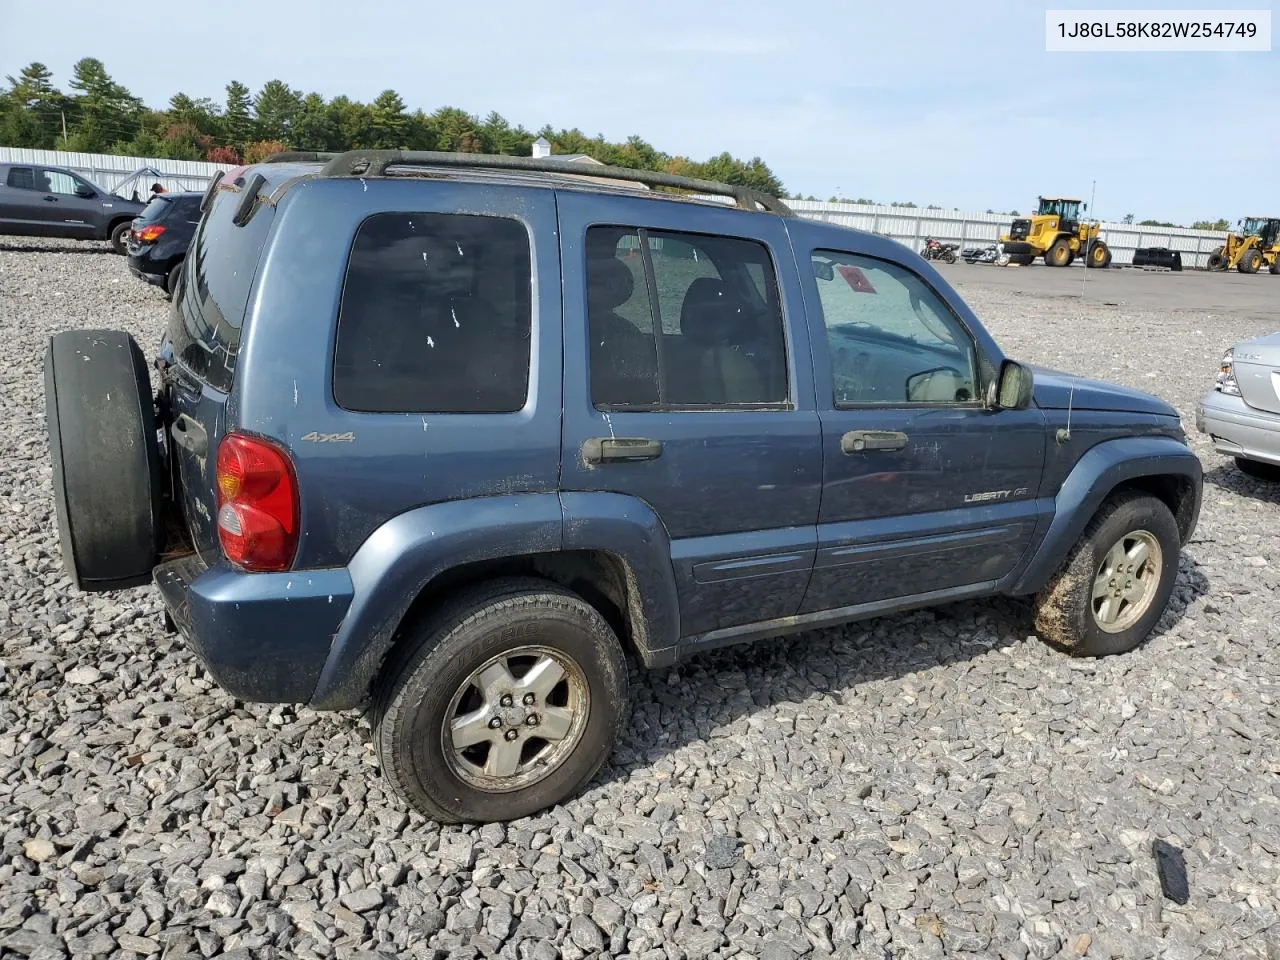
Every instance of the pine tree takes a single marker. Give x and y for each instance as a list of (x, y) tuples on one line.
[(277, 107), (237, 117), (388, 120)]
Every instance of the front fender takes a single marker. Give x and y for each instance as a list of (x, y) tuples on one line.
[(403, 555), (1095, 475)]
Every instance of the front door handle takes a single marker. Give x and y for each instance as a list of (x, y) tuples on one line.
[(51, 199), (865, 441), (620, 449)]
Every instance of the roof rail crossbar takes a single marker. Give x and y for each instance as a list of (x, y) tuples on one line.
[(374, 163)]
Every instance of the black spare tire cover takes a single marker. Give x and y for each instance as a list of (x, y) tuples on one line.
[(106, 461)]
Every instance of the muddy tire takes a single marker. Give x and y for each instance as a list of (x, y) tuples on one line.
[(1058, 255), (1099, 256), (1116, 581), (1269, 472), (106, 462), (1217, 260), (504, 702), (1250, 260), (1274, 269)]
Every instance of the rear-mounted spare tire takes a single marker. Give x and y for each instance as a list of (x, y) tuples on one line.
[(106, 461)]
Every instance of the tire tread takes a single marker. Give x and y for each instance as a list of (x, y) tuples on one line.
[(470, 607)]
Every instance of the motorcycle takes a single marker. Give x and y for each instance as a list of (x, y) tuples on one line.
[(994, 253), (937, 250)]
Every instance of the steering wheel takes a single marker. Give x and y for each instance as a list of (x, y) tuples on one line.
[(929, 318), (924, 377)]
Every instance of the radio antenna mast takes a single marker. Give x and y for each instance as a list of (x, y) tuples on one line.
[(1092, 195)]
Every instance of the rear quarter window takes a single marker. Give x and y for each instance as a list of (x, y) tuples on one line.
[(21, 178), (436, 316), (222, 261)]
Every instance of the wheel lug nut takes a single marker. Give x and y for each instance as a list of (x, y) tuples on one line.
[(529, 699), (512, 734), (531, 720), (506, 700), (495, 723)]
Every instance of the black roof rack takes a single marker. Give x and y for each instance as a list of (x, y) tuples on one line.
[(374, 163), (299, 156)]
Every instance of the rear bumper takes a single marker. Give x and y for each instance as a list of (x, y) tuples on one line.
[(147, 269), (1238, 429), (263, 637)]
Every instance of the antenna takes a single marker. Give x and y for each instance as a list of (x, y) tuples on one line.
[(1093, 192), (1064, 435)]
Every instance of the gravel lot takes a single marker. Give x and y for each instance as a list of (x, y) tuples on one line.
[(929, 785)]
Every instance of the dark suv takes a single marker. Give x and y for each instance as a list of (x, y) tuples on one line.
[(453, 432), (159, 238), (42, 201)]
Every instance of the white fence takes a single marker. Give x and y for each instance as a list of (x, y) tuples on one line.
[(908, 225)]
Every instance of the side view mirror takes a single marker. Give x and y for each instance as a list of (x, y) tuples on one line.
[(1086, 207), (1011, 390), (823, 270), (85, 193)]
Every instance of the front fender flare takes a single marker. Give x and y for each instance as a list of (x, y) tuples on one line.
[(1095, 475)]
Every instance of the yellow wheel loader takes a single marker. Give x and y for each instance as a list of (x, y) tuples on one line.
[(1255, 246), (1056, 232)]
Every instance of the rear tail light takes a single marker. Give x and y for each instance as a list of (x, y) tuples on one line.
[(150, 233), (257, 504)]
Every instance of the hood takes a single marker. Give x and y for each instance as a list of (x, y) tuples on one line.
[(1055, 390)]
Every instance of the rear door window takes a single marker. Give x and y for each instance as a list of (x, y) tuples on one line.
[(436, 316), (683, 321)]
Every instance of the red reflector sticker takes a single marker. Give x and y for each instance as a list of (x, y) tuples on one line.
[(856, 279)]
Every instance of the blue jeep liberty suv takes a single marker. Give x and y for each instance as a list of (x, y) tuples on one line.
[(453, 434)]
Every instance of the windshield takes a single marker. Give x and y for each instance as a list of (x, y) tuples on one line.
[(1063, 209), (1252, 225)]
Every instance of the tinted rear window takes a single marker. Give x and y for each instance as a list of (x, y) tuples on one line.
[(436, 316), (156, 209), (204, 323), (23, 178)]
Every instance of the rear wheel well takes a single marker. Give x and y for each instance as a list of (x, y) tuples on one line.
[(598, 577), (1178, 493)]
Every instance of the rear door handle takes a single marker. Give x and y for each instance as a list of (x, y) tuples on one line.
[(620, 449), (866, 441)]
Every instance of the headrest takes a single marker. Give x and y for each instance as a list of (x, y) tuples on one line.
[(609, 283), (711, 315)]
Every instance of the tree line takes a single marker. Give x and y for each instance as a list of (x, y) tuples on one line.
[(1220, 224), (100, 115)]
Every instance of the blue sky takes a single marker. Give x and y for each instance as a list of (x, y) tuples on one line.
[(950, 103)]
